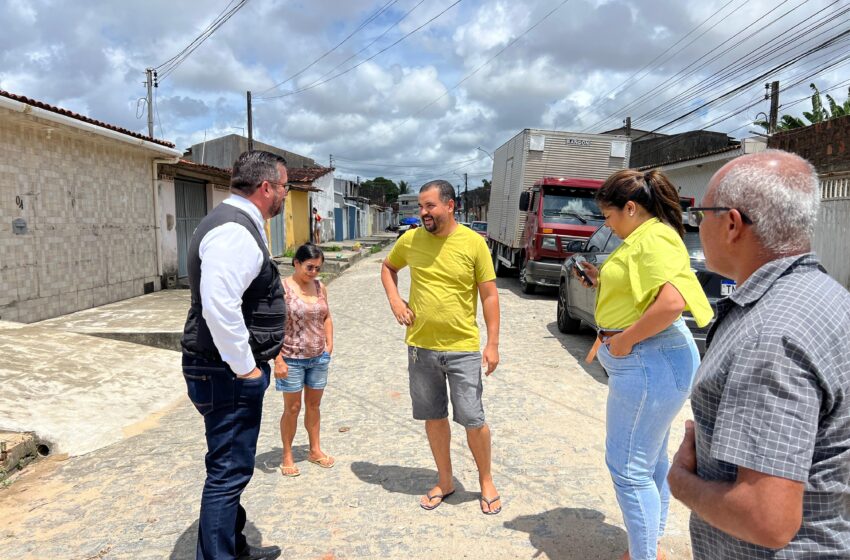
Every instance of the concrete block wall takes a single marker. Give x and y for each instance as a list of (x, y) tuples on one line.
[(88, 204)]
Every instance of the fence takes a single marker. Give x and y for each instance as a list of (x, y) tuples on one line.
[(832, 242)]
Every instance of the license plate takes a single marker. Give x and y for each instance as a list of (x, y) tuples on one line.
[(727, 287)]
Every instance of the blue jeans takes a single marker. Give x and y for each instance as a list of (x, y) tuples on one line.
[(232, 409), (646, 390)]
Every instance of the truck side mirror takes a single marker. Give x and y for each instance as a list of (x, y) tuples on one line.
[(523, 201), (575, 246)]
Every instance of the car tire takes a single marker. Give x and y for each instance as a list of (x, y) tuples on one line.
[(524, 285), (566, 322)]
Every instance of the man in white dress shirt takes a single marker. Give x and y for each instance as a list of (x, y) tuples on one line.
[(234, 327)]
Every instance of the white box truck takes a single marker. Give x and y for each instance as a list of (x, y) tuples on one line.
[(542, 197)]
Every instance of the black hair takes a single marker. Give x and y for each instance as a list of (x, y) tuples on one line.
[(308, 252), (447, 191), (651, 189), (252, 168)]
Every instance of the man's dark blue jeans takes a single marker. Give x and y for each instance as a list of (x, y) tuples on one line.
[(232, 409)]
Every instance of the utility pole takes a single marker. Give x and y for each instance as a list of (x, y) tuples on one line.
[(465, 198), (330, 160), (149, 83), (774, 106), (628, 123), (250, 125)]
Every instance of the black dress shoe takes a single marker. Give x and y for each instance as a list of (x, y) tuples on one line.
[(259, 553)]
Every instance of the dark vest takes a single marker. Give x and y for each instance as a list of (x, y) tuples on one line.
[(263, 306)]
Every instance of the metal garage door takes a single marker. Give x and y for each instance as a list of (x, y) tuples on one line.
[(191, 202)]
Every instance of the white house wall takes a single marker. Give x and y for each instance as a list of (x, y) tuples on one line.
[(692, 181), (324, 203), (91, 228)]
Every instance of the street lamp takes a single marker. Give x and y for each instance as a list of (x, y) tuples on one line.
[(480, 149)]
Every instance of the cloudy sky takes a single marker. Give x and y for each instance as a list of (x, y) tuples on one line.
[(409, 89)]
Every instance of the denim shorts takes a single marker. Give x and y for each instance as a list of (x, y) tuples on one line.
[(430, 369), (312, 372)]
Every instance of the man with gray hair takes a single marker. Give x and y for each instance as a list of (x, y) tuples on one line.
[(765, 466)]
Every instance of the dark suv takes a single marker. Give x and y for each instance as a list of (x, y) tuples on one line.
[(577, 303)]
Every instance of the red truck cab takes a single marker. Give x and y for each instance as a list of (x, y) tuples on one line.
[(558, 210)]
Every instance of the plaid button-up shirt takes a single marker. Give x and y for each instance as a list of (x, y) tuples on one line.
[(773, 395)]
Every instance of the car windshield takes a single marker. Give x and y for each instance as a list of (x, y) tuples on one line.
[(479, 226), (570, 206), (693, 245)]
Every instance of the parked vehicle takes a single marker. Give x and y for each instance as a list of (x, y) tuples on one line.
[(577, 304), (480, 228), (542, 198)]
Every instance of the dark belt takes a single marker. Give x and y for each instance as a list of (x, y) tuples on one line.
[(603, 334)]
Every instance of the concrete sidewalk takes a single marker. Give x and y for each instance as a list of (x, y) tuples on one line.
[(139, 497)]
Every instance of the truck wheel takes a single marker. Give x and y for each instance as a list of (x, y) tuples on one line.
[(524, 285), (566, 323)]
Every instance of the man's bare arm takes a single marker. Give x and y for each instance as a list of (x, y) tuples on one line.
[(402, 312), (490, 307)]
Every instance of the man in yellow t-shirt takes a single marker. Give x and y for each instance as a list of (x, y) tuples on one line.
[(449, 267)]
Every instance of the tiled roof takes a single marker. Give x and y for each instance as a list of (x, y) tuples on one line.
[(83, 118), (307, 174), (730, 148), (203, 167)]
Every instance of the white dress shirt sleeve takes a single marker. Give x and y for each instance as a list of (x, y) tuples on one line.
[(230, 261)]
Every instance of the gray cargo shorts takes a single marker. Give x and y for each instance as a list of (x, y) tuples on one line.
[(428, 371)]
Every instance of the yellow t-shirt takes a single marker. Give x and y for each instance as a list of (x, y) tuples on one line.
[(631, 277), (444, 277)]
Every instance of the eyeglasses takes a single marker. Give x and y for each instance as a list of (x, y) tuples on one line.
[(312, 268), (696, 215), (278, 184)]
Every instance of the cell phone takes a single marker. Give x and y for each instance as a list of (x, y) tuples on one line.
[(576, 263)]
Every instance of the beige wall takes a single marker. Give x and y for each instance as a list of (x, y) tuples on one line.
[(88, 203)]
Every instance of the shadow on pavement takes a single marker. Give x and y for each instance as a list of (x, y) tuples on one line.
[(578, 345), (571, 534), (184, 548), (269, 462), (407, 480), (512, 284)]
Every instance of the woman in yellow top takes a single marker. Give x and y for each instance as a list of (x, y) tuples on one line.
[(648, 352)]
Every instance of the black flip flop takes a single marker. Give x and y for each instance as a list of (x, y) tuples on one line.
[(442, 498), (489, 504)]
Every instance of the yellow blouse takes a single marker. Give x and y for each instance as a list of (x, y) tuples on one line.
[(631, 277)]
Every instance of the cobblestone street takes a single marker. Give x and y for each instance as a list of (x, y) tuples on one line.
[(139, 497)]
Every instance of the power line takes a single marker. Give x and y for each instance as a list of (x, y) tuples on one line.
[(757, 79), (344, 72), (602, 97), (166, 68), (488, 61), (761, 54), (355, 55), (682, 74), (369, 20)]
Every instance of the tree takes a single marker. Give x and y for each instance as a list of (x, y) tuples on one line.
[(818, 114), (486, 183), (379, 190), (404, 186)]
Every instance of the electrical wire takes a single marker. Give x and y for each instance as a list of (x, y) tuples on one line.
[(682, 74), (485, 63), (369, 20), (628, 80), (344, 72), (169, 66), (355, 55), (742, 65)]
